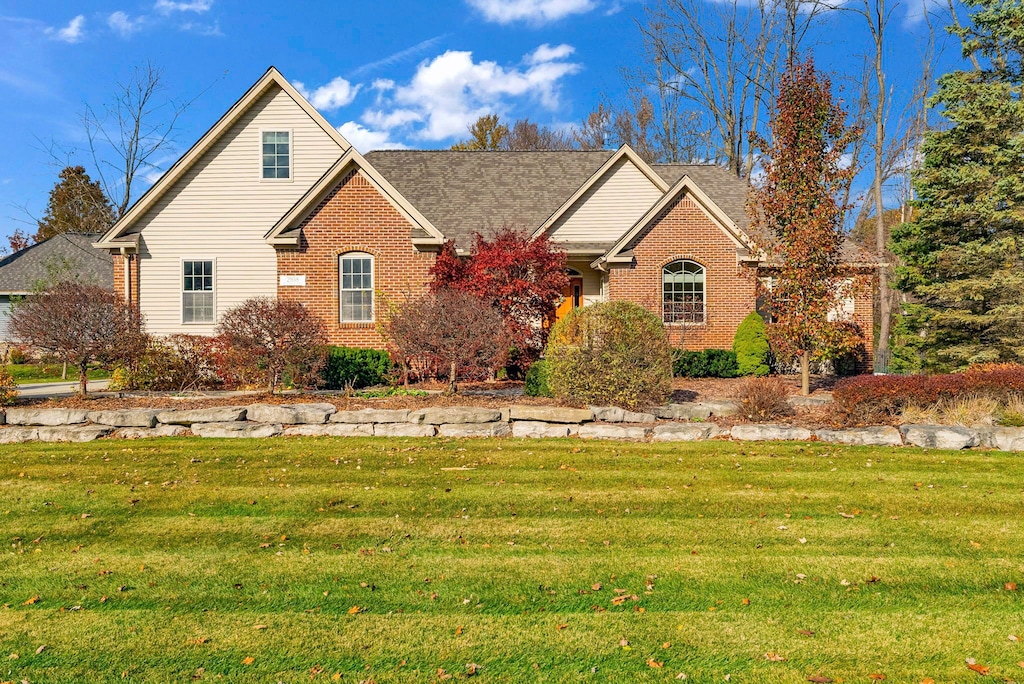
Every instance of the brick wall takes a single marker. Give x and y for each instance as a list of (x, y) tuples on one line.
[(119, 276), (864, 316), (354, 217), (683, 231)]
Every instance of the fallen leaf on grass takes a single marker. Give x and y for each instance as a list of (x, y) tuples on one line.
[(746, 602), (818, 679), (248, 660), (1010, 586), (1020, 663), (561, 626), (983, 670), (877, 676), (774, 657), (1015, 638), (40, 649), (259, 626), (805, 632), (458, 630), (441, 674), (13, 656), (667, 644), (336, 677), (353, 610), (927, 680), (472, 669), (35, 599), (651, 662)]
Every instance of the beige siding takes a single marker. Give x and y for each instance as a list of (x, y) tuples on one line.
[(609, 208), (221, 209)]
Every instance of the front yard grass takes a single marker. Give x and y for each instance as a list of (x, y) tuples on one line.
[(30, 373), (300, 560)]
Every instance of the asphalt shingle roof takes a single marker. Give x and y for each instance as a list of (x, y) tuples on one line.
[(23, 270)]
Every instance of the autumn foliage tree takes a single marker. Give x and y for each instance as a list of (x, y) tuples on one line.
[(80, 324), (274, 335), (453, 328), (795, 211), (522, 276)]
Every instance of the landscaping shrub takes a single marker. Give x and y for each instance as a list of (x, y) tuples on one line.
[(176, 363), (763, 399), (456, 330), (751, 346), (18, 355), (710, 363), (538, 380), (881, 398), (971, 411), (275, 336), (347, 367), (8, 388), (1012, 414), (610, 353)]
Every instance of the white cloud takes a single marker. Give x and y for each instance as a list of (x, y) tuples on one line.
[(122, 24), (74, 32), (451, 91), (546, 53), (532, 11), (383, 84), (364, 139), (169, 6), (332, 96)]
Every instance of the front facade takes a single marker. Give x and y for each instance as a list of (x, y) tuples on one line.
[(273, 201)]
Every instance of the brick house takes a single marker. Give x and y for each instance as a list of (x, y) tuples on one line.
[(273, 201)]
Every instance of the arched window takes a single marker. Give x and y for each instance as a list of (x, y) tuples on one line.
[(355, 271), (684, 292)]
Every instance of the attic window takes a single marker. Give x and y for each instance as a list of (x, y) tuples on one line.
[(277, 154)]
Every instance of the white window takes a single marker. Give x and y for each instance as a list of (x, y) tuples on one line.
[(356, 287), (197, 292), (683, 292), (277, 154)]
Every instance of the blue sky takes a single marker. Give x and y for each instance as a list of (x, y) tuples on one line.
[(400, 72)]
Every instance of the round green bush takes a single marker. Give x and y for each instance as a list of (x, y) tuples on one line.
[(537, 380), (613, 353), (751, 346)]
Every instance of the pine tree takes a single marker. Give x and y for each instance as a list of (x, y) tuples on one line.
[(963, 255), (77, 205)]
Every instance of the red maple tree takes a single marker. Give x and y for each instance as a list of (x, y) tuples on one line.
[(798, 221), (522, 276)]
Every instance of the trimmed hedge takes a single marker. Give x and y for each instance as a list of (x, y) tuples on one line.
[(537, 380), (875, 398), (351, 367), (710, 363), (751, 346)]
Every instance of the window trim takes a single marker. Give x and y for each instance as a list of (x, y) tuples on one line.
[(704, 293), (355, 253), (291, 155), (181, 290)]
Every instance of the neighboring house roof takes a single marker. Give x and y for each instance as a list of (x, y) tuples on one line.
[(23, 271), (286, 230), (462, 193), (114, 238)]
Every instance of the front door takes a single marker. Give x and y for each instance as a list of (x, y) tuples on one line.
[(572, 298)]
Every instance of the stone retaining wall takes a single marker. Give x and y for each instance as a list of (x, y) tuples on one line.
[(664, 424)]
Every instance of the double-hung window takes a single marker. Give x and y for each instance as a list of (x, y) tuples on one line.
[(356, 287), (277, 154), (197, 292)]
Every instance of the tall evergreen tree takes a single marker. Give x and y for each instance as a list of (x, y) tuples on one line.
[(963, 255), (77, 205)]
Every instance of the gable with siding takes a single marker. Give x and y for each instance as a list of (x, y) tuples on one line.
[(221, 208)]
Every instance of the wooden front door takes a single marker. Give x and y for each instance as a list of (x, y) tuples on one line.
[(572, 298)]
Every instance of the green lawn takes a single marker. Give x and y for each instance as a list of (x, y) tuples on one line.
[(387, 561), (30, 373)]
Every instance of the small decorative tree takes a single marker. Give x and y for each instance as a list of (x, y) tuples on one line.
[(454, 328), (274, 335), (795, 211), (523, 276), (80, 324)]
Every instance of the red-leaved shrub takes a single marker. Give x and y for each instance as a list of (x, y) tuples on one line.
[(880, 398)]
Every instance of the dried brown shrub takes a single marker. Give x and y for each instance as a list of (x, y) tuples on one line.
[(762, 399)]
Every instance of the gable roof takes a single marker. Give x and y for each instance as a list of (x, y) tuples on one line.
[(286, 230), (22, 271), (624, 152), (483, 191), (272, 77)]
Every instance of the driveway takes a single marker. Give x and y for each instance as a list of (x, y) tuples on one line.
[(43, 390)]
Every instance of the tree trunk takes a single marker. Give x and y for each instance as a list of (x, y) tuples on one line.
[(805, 373), (64, 371), (83, 378), (452, 389), (881, 104)]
